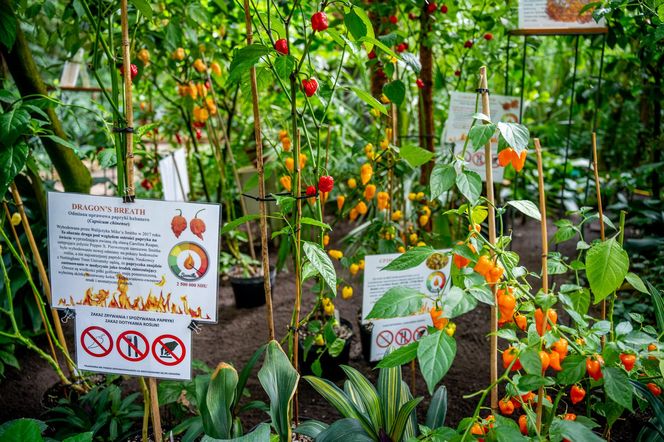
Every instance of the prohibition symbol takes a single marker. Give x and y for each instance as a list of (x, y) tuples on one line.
[(132, 346), (96, 341), (403, 336), (168, 350), (384, 339), (418, 333)]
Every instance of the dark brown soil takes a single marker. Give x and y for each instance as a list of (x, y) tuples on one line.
[(240, 332)]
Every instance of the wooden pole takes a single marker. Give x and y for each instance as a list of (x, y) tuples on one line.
[(298, 268), (265, 256), (599, 207), (43, 276), (545, 273), (36, 295), (129, 106), (486, 110), (154, 403)]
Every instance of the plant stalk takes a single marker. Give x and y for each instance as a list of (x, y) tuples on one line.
[(130, 193)]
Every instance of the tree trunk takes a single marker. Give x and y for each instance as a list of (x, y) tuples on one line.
[(74, 175), (426, 93)]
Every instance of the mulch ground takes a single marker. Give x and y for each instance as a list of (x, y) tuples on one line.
[(240, 331)]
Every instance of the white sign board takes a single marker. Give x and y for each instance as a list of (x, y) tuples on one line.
[(556, 14), (461, 111), (148, 255), (148, 344), (174, 176), (430, 277)]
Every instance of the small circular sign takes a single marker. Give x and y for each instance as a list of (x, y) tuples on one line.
[(188, 261)]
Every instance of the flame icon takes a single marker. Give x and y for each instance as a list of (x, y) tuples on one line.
[(189, 262)]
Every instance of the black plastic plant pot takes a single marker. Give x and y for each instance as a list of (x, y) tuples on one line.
[(330, 365), (250, 292), (365, 339)]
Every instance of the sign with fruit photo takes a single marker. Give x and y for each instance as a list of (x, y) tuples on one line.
[(557, 14), (152, 256)]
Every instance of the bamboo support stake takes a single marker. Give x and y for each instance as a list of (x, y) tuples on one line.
[(43, 276), (265, 256), (545, 273), (486, 110), (154, 403), (599, 207), (37, 298), (146, 409), (298, 269), (128, 107)]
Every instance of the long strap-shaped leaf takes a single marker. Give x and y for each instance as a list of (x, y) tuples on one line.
[(389, 391), (411, 426), (368, 395), (437, 409), (402, 419), (311, 428), (339, 400), (344, 430), (354, 396)]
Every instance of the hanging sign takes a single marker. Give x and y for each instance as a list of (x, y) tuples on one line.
[(557, 14), (431, 277), (134, 343), (460, 117), (174, 176), (154, 256)]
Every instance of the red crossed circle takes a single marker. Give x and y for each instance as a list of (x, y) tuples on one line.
[(104, 351), (159, 342), (126, 346)]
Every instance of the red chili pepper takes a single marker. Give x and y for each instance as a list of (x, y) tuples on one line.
[(488, 36), (419, 83), (628, 361), (431, 8), (281, 46), (468, 44), (443, 9), (654, 388), (325, 183), (401, 47), (199, 134), (311, 191), (146, 184), (197, 225), (178, 138), (310, 86), (319, 21), (577, 394), (457, 73), (178, 224), (393, 19), (132, 68), (371, 55), (594, 367)]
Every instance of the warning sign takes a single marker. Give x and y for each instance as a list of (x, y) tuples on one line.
[(148, 256), (133, 343), (395, 333), (96, 341)]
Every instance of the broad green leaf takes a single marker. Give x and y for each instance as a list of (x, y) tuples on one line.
[(572, 430), (13, 124), (260, 434), (83, 437), (416, 156), (526, 207), (469, 184), (531, 361), (480, 134), (658, 303), (284, 66), (12, 161), (315, 222), (617, 386), (412, 258), (395, 91), (217, 413), (531, 382), (370, 100), (238, 222), (21, 430), (359, 25), (279, 380), (311, 428), (400, 356), (606, 267), (482, 294), (515, 135), (636, 282), (244, 59), (397, 302), (574, 369), (322, 263), (443, 177), (383, 47), (437, 408), (344, 430), (8, 27), (144, 7), (435, 355)]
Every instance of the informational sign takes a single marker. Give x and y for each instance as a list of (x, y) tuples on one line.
[(431, 277), (395, 333), (174, 176), (556, 14), (134, 343), (150, 256), (461, 111)]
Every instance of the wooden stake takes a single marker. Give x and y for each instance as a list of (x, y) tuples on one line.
[(129, 106), (599, 207), (36, 295), (486, 110), (146, 409), (298, 268), (154, 403), (43, 276), (545, 253), (265, 256)]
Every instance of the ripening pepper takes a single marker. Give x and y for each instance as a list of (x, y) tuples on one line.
[(286, 182), (521, 321), (319, 21), (326, 240), (178, 224), (397, 215), (347, 292), (362, 208), (383, 199), (628, 361), (325, 183), (353, 269), (369, 192), (353, 214), (16, 219), (289, 162), (436, 318), (341, 199), (336, 254), (509, 355), (594, 367), (560, 347), (576, 394), (351, 183), (506, 406), (366, 171), (197, 225), (539, 320), (554, 361), (303, 160), (483, 266)]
